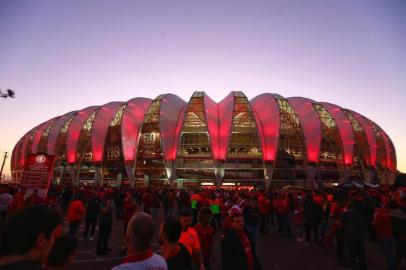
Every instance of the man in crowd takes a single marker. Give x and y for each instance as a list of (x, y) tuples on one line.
[(34, 199), (205, 233), (139, 236), (17, 201), (92, 214), (176, 255), (105, 225), (236, 248), (28, 237), (383, 230), (355, 233), (76, 212), (5, 199), (190, 239)]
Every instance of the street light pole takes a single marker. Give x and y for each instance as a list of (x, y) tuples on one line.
[(2, 166)]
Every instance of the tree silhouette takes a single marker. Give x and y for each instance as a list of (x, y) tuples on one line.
[(9, 93)]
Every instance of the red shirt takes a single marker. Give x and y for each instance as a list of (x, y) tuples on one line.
[(205, 234), (33, 200), (263, 205), (76, 211), (282, 206), (16, 203)]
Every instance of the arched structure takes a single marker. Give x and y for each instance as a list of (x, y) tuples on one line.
[(266, 138)]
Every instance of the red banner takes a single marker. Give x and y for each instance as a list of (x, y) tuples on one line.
[(37, 174)]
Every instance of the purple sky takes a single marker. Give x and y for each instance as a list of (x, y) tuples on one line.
[(61, 56)]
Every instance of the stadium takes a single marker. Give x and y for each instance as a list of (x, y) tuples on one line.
[(263, 141)]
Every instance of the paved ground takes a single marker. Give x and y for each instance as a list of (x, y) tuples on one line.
[(274, 253)]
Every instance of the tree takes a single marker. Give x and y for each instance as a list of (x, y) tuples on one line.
[(9, 93)]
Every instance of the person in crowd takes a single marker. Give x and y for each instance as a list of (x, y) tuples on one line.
[(140, 256), (34, 199), (337, 229), (176, 255), (355, 233), (195, 205), (271, 196), (383, 230), (205, 232), (237, 250), (282, 205), (398, 219), (28, 236), (251, 219), (183, 200), (263, 205), (147, 201), (5, 199), (325, 223), (165, 202), (92, 215), (215, 207), (190, 239), (299, 219), (105, 225), (130, 207), (155, 205), (313, 215), (17, 202), (62, 254), (67, 194), (119, 203), (76, 212)]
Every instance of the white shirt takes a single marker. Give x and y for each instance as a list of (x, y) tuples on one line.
[(155, 262)]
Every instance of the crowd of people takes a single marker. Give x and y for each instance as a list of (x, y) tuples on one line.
[(33, 235)]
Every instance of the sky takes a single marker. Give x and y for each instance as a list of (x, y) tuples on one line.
[(61, 56)]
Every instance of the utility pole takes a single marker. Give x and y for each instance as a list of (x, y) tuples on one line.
[(2, 166)]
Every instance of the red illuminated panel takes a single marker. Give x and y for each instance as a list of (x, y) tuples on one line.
[(225, 108), (219, 118), (25, 140), (38, 134), (14, 155), (170, 112), (267, 119), (211, 113), (311, 125), (54, 132), (370, 136), (131, 123), (100, 127), (344, 128), (74, 130)]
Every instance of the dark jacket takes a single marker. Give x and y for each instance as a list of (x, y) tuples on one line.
[(398, 218), (313, 213), (233, 254), (251, 215), (93, 209), (354, 224)]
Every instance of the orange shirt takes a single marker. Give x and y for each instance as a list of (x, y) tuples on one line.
[(190, 240)]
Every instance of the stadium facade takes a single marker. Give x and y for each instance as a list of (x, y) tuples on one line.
[(263, 140)]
